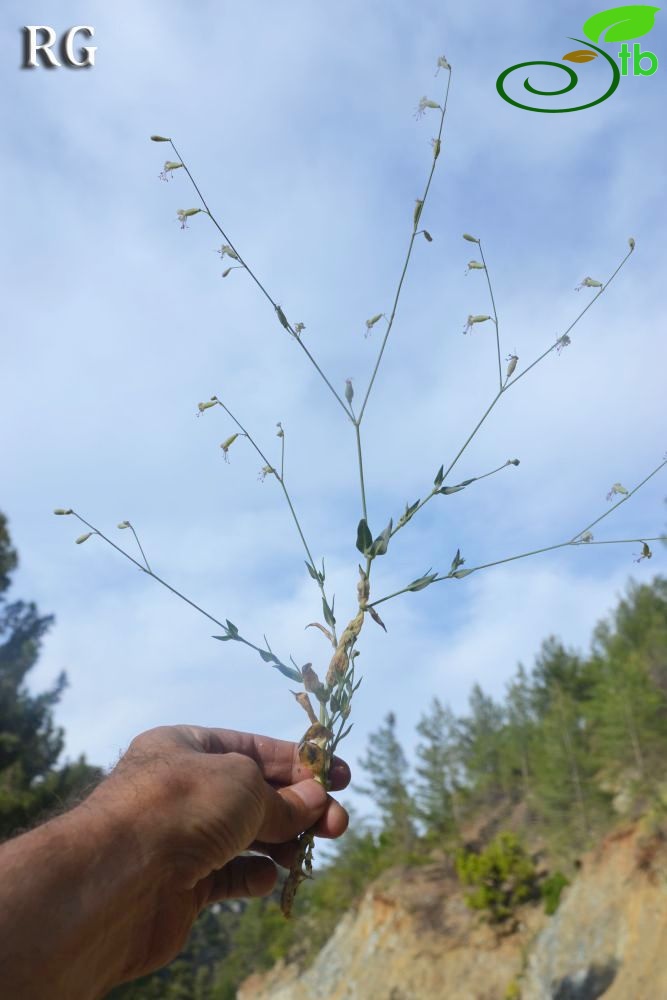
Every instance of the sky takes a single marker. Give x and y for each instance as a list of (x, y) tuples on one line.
[(298, 122)]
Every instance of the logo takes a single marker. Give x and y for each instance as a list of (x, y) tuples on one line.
[(618, 24), (41, 48)]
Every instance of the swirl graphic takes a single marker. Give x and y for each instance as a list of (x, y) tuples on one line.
[(573, 81)]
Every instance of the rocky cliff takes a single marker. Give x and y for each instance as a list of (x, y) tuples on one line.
[(412, 937)]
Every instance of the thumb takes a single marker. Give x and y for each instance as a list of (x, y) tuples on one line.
[(291, 810)]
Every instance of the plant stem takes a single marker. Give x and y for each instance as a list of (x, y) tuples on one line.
[(149, 572), (255, 278), (571, 326), (622, 501), (407, 258), (495, 315), (282, 486), (525, 555), (136, 538), (361, 470)]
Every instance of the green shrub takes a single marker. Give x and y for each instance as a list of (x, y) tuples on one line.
[(550, 891), (502, 876)]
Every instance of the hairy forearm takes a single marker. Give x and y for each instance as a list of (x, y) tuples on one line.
[(67, 898)]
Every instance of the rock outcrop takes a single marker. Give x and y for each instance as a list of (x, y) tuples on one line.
[(412, 937)]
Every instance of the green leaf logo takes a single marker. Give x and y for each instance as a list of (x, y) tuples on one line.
[(620, 24)]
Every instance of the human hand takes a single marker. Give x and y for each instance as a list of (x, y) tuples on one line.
[(192, 800)]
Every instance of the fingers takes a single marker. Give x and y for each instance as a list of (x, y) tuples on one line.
[(333, 822), (277, 759), (242, 878), (283, 854)]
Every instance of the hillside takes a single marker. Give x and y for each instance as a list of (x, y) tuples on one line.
[(413, 937)]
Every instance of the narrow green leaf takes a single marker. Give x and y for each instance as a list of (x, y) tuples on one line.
[(346, 732), (381, 543), (223, 638), (313, 572), (328, 614), (364, 537), (446, 490), (462, 572), (456, 561), (424, 581), (267, 657), (440, 475), (293, 675), (231, 627), (282, 317)]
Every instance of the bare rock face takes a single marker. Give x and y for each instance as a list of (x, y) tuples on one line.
[(609, 936), (413, 938)]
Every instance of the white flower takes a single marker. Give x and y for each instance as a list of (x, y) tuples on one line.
[(588, 283), (423, 105)]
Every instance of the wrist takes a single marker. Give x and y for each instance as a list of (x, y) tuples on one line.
[(68, 902)]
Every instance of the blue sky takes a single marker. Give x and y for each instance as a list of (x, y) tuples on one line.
[(298, 122)]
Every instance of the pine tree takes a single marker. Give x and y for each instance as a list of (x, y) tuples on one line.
[(387, 769), (520, 734), (30, 742), (438, 773), (567, 794), (480, 740), (629, 665)]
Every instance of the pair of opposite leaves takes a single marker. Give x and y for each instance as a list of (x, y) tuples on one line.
[(619, 24)]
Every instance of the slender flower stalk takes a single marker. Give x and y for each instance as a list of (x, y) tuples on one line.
[(237, 256)]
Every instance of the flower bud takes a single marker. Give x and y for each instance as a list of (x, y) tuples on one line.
[(513, 461), (436, 148), (207, 405), (282, 317), (588, 283), (226, 445), (469, 238), (311, 681), (427, 236), (370, 323), (170, 165), (225, 249), (124, 524), (475, 265), (472, 320), (349, 391), (83, 538), (62, 510), (587, 537), (617, 490), (423, 105), (159, 138), (419, 204), (513, 359), (631, 242), (304, 701), (227, 271), (442, 63), (280, 432)]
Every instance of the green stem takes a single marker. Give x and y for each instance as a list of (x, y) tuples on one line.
[(407, 259), (624, 500), (282, 486), (255, 278), (525, 555), (495, 315)]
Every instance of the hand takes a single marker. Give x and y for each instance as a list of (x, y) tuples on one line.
[(193, 799)]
